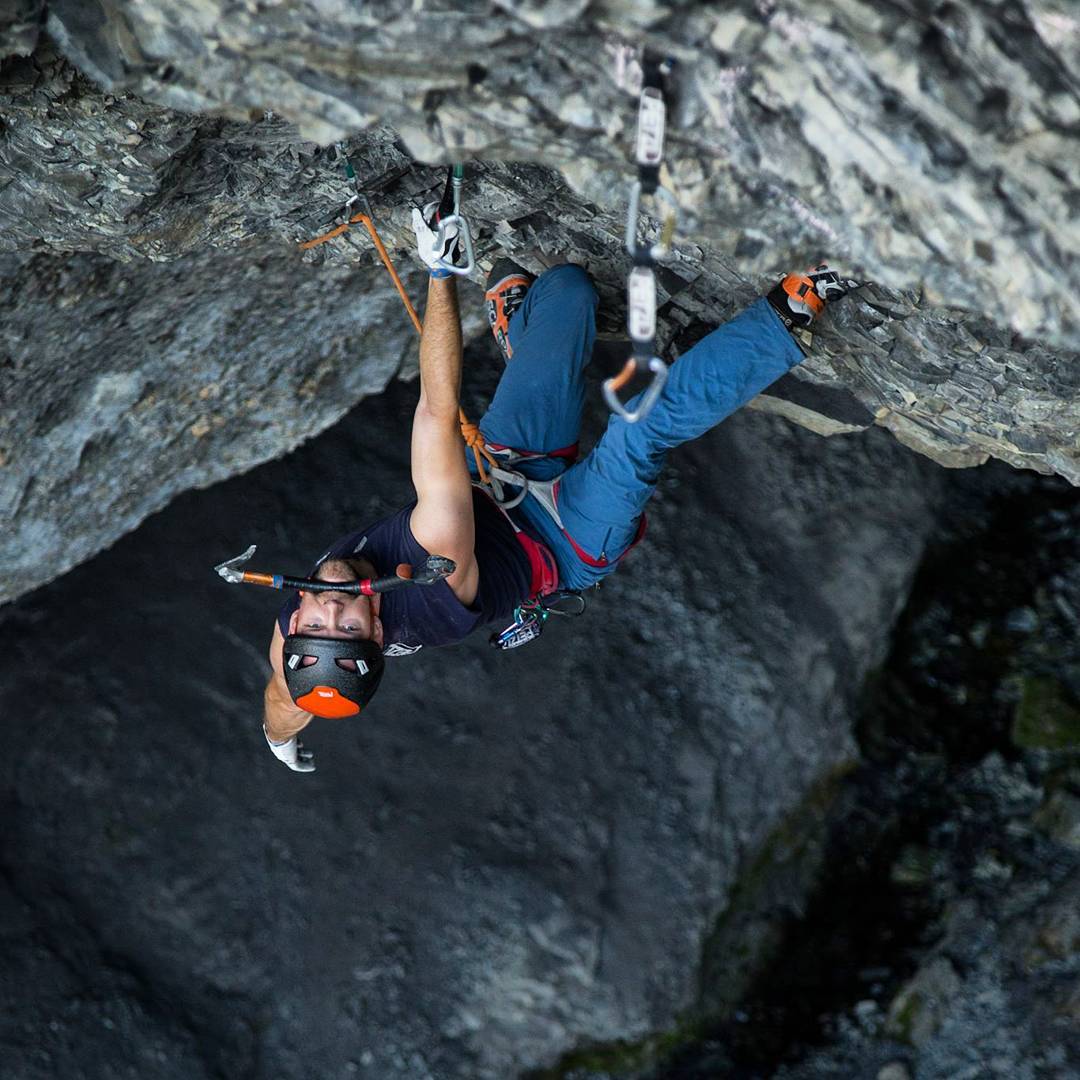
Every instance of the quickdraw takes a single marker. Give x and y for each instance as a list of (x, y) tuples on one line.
[(641, 282)]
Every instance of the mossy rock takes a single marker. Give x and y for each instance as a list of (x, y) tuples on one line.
[(919, 1009), (1046, 718), (622, 1056)]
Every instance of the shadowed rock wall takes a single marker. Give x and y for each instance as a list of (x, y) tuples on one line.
[(124, 384), (513, 855)]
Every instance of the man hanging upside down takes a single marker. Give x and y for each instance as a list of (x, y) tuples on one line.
[(578, 518)]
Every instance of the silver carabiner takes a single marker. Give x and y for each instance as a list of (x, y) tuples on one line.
[(466, 242), (668, 222), (648, 397), (457, 179), (499, 478)]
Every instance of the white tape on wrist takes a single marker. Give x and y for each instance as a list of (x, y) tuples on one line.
[(283, 751)]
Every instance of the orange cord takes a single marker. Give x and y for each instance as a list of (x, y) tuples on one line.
[(470, 432), (325, 236), (624, 376)]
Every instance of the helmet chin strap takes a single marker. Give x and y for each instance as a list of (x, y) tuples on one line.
[(433, 569)]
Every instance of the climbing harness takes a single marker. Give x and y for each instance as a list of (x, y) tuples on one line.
[(546, 597), (641, 282), (435, 568), (491, 472)]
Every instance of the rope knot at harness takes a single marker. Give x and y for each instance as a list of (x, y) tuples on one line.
[(470, 432), (474, 440), (491, 473)]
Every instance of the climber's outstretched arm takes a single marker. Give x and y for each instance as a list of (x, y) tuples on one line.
[(443, 519)]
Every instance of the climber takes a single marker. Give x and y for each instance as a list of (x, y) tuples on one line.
[(577, 520)]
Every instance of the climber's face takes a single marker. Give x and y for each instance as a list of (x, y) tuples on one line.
[(339, 614)]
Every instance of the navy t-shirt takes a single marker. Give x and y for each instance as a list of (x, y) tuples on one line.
[(414, 616)]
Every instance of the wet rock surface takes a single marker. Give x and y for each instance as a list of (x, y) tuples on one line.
[(513, 856)]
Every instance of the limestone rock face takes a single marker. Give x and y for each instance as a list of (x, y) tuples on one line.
[(124, 384), (545, 875), (924, 148), (930, 150), (927, 144)]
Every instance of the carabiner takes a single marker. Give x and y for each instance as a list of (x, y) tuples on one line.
[(466, 242), (499, 479), (647, 398), (456, 178), (357, 203), (549, 604), (667, 229)]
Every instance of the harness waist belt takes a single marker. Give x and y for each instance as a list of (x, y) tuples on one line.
[(545, 571)]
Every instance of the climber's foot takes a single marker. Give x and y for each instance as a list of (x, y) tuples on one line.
[(800, 298), (507, 285)]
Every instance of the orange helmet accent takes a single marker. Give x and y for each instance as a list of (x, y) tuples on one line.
[(327, 702)]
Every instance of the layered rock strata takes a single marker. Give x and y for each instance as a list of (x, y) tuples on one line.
[(918, 146), (111, 176)]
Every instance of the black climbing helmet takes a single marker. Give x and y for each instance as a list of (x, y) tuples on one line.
[(328, 687)]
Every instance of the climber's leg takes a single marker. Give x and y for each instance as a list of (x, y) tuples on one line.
[(601, 499), (538, 404)]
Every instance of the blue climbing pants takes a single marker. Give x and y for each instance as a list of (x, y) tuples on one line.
[(538, 406)]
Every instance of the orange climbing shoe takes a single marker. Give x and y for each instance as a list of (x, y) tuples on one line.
[(507, 285), (800, 298)]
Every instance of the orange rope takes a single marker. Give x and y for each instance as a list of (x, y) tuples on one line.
[(470, 432), (325, 236), (624, 376)]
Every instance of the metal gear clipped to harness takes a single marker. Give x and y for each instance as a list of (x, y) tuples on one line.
[(530, 618)]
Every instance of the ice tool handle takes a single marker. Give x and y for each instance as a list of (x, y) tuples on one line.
[(641, 283), (456, 179), (434, 569)]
